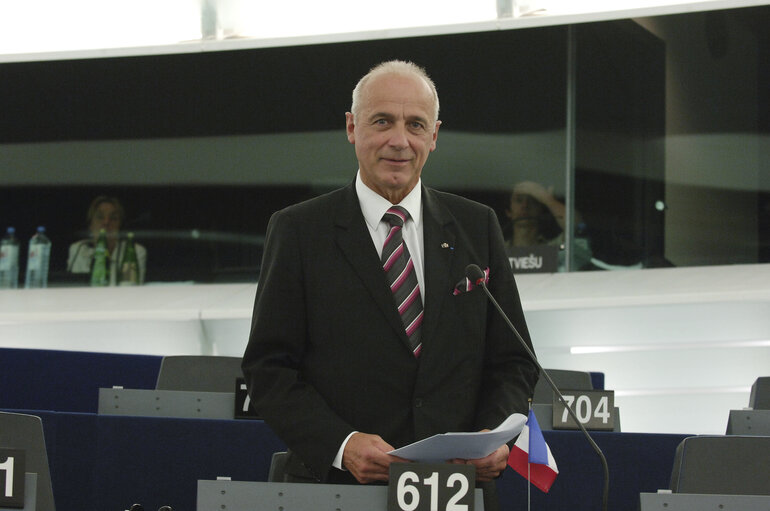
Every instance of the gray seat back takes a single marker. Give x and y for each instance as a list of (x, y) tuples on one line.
[(726, 465), (202, 373), (21, 431), (564, 379)]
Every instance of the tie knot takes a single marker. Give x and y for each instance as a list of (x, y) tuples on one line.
[(396, 215)]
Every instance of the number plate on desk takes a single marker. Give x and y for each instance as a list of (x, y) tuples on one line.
[(12, 478), (595, 409), (431, 487), (243, 407)]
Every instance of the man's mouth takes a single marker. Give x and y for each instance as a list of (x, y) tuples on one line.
[(396, 160)]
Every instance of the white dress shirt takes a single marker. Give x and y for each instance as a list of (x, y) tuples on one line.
[(374, 206)]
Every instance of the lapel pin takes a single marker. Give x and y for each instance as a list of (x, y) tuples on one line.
[(445, 245)]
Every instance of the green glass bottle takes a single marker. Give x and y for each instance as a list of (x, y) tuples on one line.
[(99, 268), (129, 266)]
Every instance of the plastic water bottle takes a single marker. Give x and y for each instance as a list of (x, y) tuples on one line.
[(9, 260), (38, 256)]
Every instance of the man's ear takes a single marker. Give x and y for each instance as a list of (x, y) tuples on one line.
[(350, 127), (435, 136)]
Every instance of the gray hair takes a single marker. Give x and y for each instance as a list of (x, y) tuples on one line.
[(393, 67)]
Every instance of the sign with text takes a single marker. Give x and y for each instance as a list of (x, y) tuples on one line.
[(12, 470), (534, 259), (243, 407), (431, 487), (595, 409)]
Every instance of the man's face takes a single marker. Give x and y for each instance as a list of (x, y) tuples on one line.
[(394, 132)]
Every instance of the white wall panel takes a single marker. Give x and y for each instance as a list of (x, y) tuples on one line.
[(680, 346)]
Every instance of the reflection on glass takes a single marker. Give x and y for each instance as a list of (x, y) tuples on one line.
[(672, 159), (538, 218), (106, 245)]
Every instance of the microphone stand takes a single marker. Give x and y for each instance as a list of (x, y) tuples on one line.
[(474, 270)]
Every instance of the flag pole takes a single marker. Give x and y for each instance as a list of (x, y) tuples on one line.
[(529, 467)]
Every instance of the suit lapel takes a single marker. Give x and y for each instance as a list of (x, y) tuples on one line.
[(439, 244), (355, 242)]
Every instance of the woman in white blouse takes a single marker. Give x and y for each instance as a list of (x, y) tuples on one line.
[(104, 213)]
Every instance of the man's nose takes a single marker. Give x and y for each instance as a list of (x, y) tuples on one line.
[(398, 137)]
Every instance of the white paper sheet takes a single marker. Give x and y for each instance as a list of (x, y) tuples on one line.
[(446, 446)]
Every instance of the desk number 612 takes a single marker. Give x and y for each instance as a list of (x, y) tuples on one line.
[(409, 485)]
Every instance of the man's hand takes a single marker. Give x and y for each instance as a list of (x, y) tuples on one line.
[(489, 467), (366, 457)]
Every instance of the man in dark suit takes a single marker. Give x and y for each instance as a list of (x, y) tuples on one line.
[(340, 372)]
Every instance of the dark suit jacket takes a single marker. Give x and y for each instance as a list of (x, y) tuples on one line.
[(328, 353)]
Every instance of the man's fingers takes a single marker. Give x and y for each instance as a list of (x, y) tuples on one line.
[(491, 466), (366, 457)]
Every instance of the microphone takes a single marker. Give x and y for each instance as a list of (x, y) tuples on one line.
[(477, 276)]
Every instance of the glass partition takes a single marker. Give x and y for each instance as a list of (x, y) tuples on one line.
[(645, 139), (716, 147), (620, 132), (673, 138)]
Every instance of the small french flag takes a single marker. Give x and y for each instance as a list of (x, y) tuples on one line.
[(531, 457)]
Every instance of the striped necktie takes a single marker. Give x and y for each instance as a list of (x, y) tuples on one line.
[(399, 267)]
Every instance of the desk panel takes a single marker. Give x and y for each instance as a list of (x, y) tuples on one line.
[(70, 440), (69, 381), (157, 461), (110, 462), (638, 462)]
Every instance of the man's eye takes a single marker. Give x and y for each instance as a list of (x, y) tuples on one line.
[(417, 125)]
